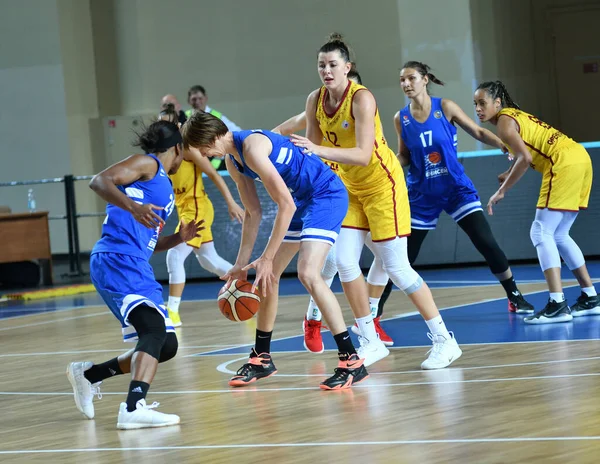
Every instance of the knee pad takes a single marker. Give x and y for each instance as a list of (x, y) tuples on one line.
[(209, 259), (150, 327), (394, 258), (406, 279), (175, 263), (348, 270), (329, 268), (377, 276), (169, 349), (536, 233)]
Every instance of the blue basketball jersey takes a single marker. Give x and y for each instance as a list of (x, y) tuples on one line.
[(434, 166), (304, 174), (121, 233)]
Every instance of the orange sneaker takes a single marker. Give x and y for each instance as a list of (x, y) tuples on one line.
[(313, 341), (350, 370), (258, 367)]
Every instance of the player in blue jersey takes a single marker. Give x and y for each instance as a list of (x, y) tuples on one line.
[(436, 181), (140, 198), (311, 205)]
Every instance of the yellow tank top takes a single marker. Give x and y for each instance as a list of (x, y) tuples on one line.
[(338, 130), (188, 188), (546, 144)]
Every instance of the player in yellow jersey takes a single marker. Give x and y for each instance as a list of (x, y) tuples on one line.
[(312, 325), (566, 170), (192, 205), (343, 126)]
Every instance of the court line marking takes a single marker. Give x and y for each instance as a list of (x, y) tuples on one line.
[(33, 324), (43, 311), (399, 316), (316, 388), (223, 367), (307, 445), (53, 353)]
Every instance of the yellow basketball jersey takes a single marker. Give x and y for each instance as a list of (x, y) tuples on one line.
[(546, 144), (338, 130), (188, 188)]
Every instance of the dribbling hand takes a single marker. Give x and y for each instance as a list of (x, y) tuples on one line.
[(264, 274), (145, 215), (236, 272)]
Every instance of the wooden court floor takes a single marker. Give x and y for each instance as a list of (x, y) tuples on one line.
[(500, 403)]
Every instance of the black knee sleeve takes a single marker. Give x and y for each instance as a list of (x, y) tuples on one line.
[(151, 330), (478, 229), (169, 349)]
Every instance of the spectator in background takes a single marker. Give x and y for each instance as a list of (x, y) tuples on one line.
[(172, 99), (198, 100)]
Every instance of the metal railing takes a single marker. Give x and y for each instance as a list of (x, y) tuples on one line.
[(71, 216)]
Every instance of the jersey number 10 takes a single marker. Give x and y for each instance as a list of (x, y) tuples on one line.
[(426, 138)]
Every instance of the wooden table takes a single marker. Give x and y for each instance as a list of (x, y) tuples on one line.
[(25, 237)]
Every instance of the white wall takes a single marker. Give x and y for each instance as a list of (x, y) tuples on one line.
[(33, 128)]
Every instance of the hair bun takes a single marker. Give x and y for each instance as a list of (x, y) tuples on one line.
[(335, 37)]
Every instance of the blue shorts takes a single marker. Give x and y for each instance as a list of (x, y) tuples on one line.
[(319, 218), (426, 209), (125, 282)]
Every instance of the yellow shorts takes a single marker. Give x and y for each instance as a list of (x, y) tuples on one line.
[(567, 187), (201, 208), (386, 212)]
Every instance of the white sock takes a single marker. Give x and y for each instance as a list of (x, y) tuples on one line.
[(313, 313), (374, 302), (589, 291), (557, 297), (366, 327), (437, 327), (173, 303)]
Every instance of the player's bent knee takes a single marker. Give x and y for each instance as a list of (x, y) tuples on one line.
[(536, 233), (151, 343), (349, 272), (150, 327), (175, 266), (169, 349), (406, 279)]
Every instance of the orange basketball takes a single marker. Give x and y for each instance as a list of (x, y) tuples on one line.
[(237, 302)]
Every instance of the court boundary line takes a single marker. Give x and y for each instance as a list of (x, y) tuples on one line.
[(223, 367), (399, 316), (316, 388), (308, 445), (478, 284)]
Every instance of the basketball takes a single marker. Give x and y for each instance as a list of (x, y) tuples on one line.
[(237, 302)]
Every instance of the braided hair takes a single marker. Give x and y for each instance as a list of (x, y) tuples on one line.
[(496, 89)]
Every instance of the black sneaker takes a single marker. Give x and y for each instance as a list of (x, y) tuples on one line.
[(519, 305), (350, 370), (258, 366), (553, 312), (586, 306)]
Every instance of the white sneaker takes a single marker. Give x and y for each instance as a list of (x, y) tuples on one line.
[(144, 416), (82, 388), (444, 352), (371, 350)]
